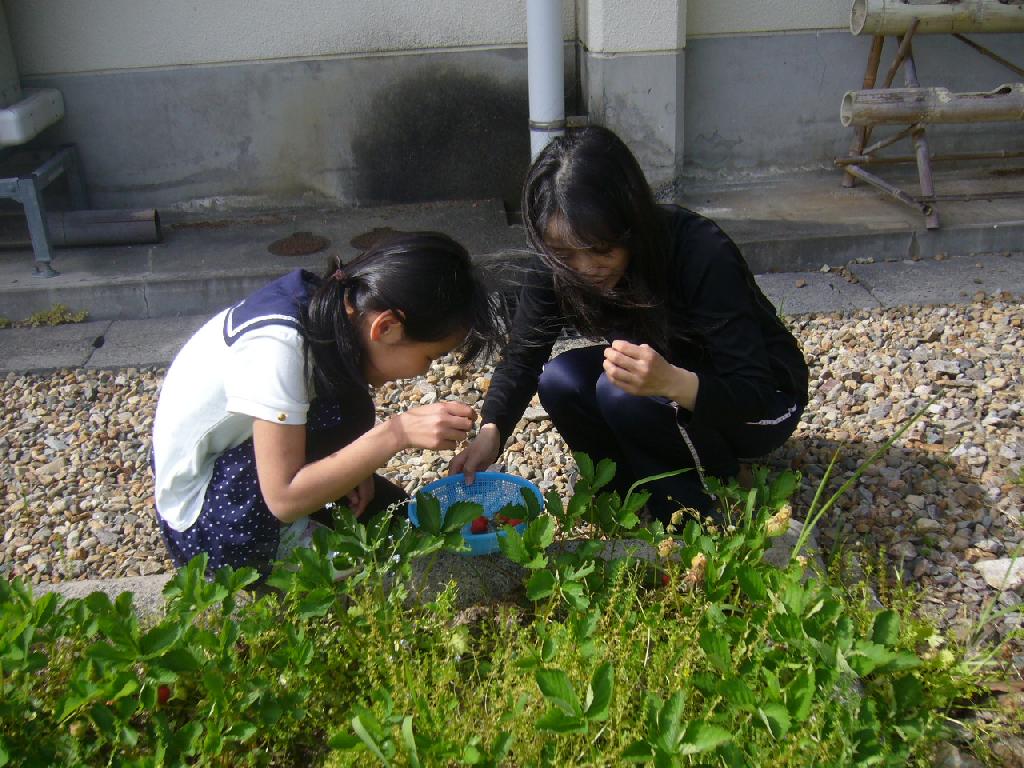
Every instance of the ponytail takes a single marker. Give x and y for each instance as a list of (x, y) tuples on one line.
[(426, 278)]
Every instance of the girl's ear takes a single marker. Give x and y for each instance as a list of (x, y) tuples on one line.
[(386, 327)]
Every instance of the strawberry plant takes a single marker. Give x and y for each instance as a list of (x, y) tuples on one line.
[(709, 654)]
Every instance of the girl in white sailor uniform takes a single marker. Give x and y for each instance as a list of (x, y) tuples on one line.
[(266, 414)]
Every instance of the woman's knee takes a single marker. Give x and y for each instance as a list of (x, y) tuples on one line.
[(566, 379), (620, 408)]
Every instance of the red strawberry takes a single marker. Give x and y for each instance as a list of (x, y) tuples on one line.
[(664, 580), (479, 525), (163, 693), (505, 520)]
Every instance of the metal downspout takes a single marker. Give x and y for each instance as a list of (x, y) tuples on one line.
[(545, 72)]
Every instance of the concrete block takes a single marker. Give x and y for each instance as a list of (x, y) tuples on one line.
[(46, 349), (135, 343), (953, 281), (798, 293)]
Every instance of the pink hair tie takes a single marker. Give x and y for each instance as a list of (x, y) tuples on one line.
[(339, 275)]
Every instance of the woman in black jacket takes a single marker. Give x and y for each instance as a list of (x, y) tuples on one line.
[(697, 370)]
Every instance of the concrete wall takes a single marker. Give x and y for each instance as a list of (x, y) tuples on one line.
[(707, 18), (615, 26), (370, 101), (632, 69), (360, 130), (280, 103), (65, 36)]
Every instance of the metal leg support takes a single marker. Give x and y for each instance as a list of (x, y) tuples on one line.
[(30, 196)]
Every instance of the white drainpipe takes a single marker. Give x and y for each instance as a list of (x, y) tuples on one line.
[(544, 60)]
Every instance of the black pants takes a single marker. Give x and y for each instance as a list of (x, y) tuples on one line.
[(646, 436)]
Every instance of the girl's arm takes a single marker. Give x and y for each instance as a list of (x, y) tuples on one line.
[(294, 489), (535, 327)]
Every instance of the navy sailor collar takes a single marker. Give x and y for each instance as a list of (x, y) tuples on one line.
[(281, 302)]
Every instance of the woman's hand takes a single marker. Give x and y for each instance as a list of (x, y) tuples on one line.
[(359, 498), (479, 454), (438, 426), (638, 369)]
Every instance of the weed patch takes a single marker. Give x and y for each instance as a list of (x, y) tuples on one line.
[(707, 655), (58, 314)]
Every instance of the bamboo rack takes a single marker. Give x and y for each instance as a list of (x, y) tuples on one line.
[(913, 106), (893, 17)]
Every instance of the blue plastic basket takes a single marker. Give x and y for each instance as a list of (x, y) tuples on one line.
[(492, 490)]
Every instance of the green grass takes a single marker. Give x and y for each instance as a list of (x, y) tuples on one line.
[(707, 655), (58, 314)]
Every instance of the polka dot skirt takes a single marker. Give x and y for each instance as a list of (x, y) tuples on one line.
[(235, 526)]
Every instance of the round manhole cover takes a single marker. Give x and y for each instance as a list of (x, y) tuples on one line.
[(367, 240), (298, 244)]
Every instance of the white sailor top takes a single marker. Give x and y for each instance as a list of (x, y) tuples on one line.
[(246, 363)]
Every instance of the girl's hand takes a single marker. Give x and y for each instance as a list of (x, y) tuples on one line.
[(479, 454), (638, 369), (438, 426), (360, 496)]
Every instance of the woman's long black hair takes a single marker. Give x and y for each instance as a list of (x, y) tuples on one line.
[(426, 278), (591, 180)]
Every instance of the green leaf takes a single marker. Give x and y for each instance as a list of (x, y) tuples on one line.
[(557, 689), (886, 628), (104, 721), (751, 582), (784, 486), (363, 732), (106, 652), (512, 546), (159, 639), (578, 505), (548, 649), (603, 475), (702, 737), (668, 721), (553, 504), (868, 657), (532, 503), (179, 660), (627, 519), (540, 585), (410, 742), (599, 692), (428, 510), (907, 693), (575, 594), (316, 603), (638, 752), (776, 718), (460, 514), (540, 533), (501, 747), (556, 720), (4, 754), (586, 467), (240, 732), (738, 693), (800, 694), (716, 648), (585, 624), (344, 741)]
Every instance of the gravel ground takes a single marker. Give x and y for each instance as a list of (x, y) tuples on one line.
[(943, 509)]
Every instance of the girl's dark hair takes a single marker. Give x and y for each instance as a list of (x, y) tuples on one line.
[(425, 278), (590, 179)]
